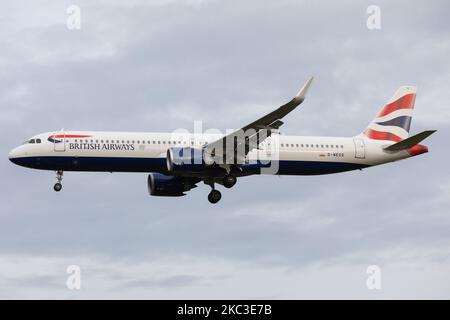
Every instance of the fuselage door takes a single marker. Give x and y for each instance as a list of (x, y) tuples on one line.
[(59, 141), (360, 148)]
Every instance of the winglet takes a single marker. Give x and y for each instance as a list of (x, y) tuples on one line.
[(304, 90)]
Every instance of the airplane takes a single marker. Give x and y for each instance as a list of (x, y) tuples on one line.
[(177, 162)]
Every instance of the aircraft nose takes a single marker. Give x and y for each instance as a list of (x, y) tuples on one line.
[(12, 155), (19, 157)]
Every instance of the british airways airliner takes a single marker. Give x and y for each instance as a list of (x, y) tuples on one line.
[(177, 162)]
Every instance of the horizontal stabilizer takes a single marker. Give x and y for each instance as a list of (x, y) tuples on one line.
[(410, 142)]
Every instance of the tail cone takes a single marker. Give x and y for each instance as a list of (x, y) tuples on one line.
[(417, 149)]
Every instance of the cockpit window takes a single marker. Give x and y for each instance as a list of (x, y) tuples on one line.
[(33, 141)]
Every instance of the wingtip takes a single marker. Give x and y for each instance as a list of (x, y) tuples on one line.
[(304, 90)]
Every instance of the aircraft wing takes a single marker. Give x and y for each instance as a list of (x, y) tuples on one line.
[(271, 121)]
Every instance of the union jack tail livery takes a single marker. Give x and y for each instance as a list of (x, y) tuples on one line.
[(394, 120)]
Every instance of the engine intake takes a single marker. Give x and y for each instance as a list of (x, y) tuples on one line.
[(186, 160)]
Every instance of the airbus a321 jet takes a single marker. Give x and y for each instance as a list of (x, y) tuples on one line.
[(177, 162)]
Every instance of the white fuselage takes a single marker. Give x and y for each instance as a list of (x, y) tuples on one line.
[(147, 152)]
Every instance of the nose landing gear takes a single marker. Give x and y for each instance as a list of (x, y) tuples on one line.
[(58, 186)]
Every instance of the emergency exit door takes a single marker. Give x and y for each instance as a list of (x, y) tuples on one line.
[(360, 148), (59, 141)]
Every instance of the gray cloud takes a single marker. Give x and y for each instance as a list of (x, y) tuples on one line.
[(172, 281)]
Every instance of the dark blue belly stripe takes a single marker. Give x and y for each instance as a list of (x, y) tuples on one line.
[(130, 164)]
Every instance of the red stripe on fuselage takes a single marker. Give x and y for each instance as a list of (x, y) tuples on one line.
[(405, 102), (59, 136), (380, 135)]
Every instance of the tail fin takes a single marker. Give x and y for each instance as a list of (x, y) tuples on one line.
[(394, 120)]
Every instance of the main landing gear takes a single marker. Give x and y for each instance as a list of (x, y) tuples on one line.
[(214, 196), (228, 182), (58, 186)]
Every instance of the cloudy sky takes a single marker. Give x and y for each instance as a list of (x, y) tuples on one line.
[(160, 65)]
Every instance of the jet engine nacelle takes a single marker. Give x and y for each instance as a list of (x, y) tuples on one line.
[(167, 186), (186, 160)]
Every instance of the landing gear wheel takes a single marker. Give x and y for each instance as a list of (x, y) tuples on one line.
[(59, 176), (229, 181), (214, 196)]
